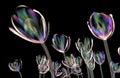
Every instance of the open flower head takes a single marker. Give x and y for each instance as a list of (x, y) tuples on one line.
[(61, 42), (29, 24), (16, 65), (101, 25)]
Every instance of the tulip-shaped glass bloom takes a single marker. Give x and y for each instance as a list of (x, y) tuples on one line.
[(16, 65), (56, 67), (119, 50), (115, 67), (43, 64), (69, 61), (99, 57), (29, 24), (101, 25), (61, 42), (91, 64), (85, 47)]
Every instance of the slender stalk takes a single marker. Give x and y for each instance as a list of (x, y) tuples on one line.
[(88, 73), (67, 67), (78, 76), (92, 74), (101, 72), (49, 57), (108, 57), (43, 76), (20, 74), (81, 76), (40, 75)]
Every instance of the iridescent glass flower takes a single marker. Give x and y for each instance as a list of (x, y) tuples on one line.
[(99, 57), (115, 67), (29, 24), (91, 64), (43, 64), (16, 65), (101, 25), (85, 46)]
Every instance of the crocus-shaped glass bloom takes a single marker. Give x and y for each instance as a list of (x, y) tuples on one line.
[(99, 57), (119, 50), (101, 25), (43, 64), (61, 42), (115, 67), (16, 65), (29, 24)]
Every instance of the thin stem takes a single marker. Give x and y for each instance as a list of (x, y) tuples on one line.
[(92, 73), (40, 75), (43, 76), (67, 67), (78, 76), (88, 73), (108, 57), (20, 74), (101, 71), (49, 57), (81, 75)]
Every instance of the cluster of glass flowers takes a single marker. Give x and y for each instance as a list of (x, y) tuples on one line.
[(30, 25)]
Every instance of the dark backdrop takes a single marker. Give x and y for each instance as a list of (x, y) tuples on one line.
[(65, 17)]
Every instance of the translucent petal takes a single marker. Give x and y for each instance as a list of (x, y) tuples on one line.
[(30, 23), (16, 65), (61, 42), (99, 57), (78, 61), (119, 50), (115, 67), (101, 25), (91, 64)]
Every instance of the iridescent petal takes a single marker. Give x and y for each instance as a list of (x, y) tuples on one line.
[(86, 47), (29, 24), (56, 67), (99, 57), (115, 67), (87, 56), (119, 50), (69, 61), (61, 42), (101, 25), (78, 61), (76, 71), (91, 64), (16, 65)]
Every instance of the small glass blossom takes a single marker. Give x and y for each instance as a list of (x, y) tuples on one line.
[(16, 65), (115, 67), (43, 64), (91, 64), (85, 47), (64, 73), (99, 57), (29, 24), (101, 25), (61, 42), (56, 67), (69, 61)]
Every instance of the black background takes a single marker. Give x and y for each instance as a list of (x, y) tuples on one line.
[(65, 17)]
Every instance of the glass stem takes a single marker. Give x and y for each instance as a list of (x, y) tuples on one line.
[(88, 72), (92, 73), (108, 57), (101, 72), (49, 57), (67, 67), (20, 74)]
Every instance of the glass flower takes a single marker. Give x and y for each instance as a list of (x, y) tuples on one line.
[(101, 25), (69, 61), (91, 64), (61, 42), (85, 47), (29, 24), (16, 65), (43, 64), (119, 50), (99, 57), (115, 67), (56, 67), (76, 71), (64, 73)]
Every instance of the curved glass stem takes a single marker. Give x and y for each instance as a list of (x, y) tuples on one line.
[(108, 57), (81, 76), (49, 57), (88, 73), (43, 76), (20, 74), (40, 75), (101, 72), (92, 74), (67, 67)]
